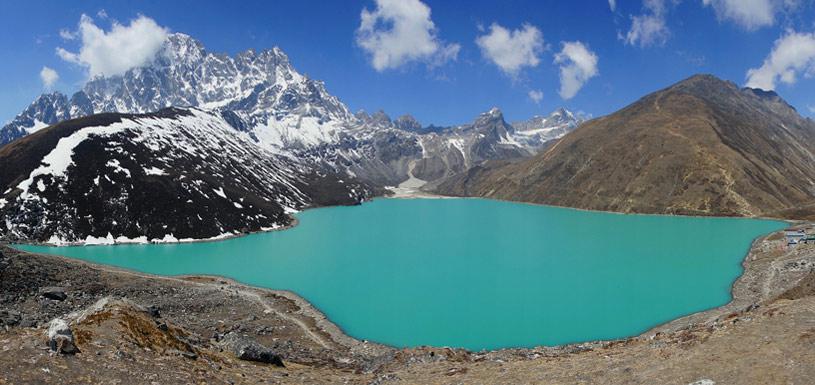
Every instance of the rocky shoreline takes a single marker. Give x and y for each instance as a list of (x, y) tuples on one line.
[(130, 327)]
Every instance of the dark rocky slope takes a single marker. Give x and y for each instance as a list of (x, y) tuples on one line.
[(702, 146), (170, 175)]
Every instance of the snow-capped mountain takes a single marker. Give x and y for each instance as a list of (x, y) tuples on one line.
[(261, 94), (47, 109), (263, 98), (267, 96), (453, 150), (537, 131), (165, 176)]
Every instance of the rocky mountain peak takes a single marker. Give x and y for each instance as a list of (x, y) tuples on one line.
[(721, 92), (704, 84), (493, 116), (378, 119), (495, 112), (560, 116), (362, 115), (534, 133), (49, 97), (407, 123), (491, 126), (180, 49), (47, 108), (381, 118), (47, 105)]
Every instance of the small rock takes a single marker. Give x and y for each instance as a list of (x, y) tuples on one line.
[(60, 337), (153, 310), (123, 355), (28, 323), (454, 371), (185, 354), (53, 292)]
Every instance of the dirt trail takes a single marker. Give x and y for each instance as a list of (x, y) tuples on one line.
[(219, 283), (251, 293)]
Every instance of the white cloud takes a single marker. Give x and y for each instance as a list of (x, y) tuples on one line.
[(48, 76), (750, 14), (67, 34), (536, 95), (650, 27), (811, 109), (118, 50), (792, 54), (401, 31), (578, 64), (512, 50), (613, 5)]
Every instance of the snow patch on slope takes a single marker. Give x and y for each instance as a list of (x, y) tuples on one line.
[(117, 167), (38, 125), (56, 163), (154, 171), (220, 192)]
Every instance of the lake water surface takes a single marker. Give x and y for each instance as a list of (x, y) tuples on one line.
[(474, 273)]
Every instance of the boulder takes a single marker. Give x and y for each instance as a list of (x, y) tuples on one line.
[(9, 317), (60, 337), (53, 292), (247, 349)]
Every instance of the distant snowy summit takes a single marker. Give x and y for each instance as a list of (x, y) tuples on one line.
[(539, 130)]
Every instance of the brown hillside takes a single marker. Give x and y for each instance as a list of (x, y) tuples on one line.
[(702, 146)]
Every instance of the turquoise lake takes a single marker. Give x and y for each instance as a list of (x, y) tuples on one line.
[(474, 273)]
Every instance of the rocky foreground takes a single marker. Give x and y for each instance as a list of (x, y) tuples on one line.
[(65, 321)]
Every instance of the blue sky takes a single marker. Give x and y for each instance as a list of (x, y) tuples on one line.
[(461, 66)]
